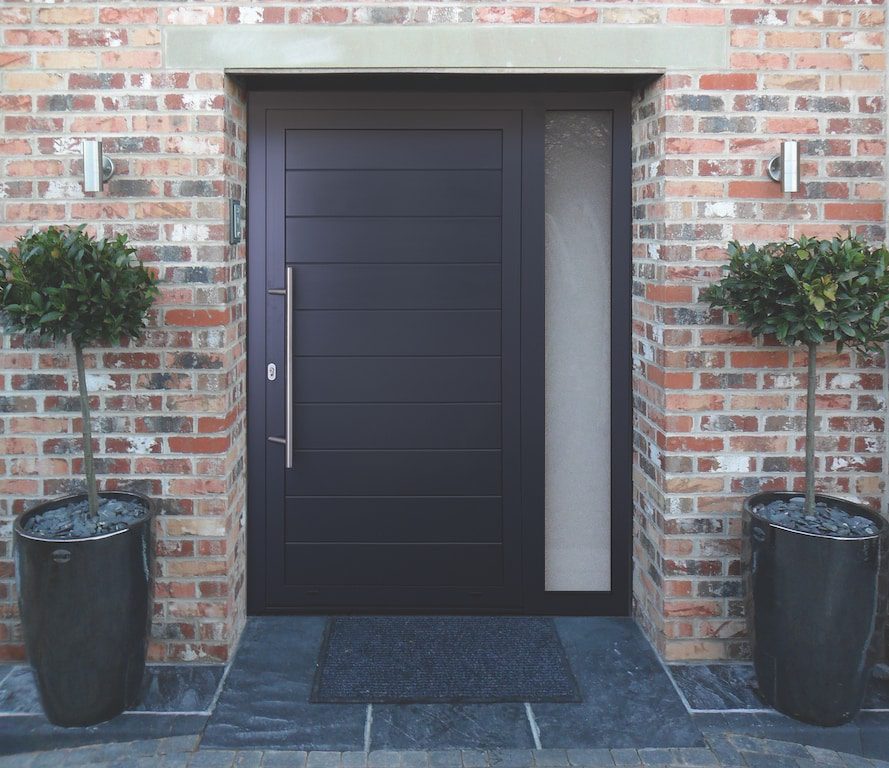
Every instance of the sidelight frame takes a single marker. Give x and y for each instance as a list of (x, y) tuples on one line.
[(457, 93)]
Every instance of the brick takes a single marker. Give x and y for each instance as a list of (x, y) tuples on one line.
[(99, 125), (792, 124), (127, 16), (101, 81), (131, 360), (829, 61), (92, 38), (695, 146), (767, 18), (669, 293), (196, 317), (15, 60), (854, 211), (63, 15), (136, 59), (32, 81), (767, 61), (631, 16), (791, 39), (754, 189), (504, 15), (715, 16), (563, 15), (760, 359), (181, 444), (728, 82), (192, 15)]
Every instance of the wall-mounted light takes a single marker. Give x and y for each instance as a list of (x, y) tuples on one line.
[(785, 167), (97, 168)]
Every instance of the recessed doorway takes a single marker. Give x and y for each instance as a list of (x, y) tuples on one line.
[(439, 352)]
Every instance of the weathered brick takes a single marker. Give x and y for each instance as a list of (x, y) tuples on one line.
[(566, 14)]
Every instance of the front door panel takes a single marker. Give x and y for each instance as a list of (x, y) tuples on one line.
[(459, 388), (402, 229)]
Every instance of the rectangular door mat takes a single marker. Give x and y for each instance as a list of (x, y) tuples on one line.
[(453, 659)]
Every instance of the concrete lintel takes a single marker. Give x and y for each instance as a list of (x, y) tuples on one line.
[(441, 48)]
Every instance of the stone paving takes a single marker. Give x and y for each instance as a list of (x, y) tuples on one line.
[(725, 751)]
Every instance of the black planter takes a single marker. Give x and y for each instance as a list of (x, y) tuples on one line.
[(85, 614), (811, 613)]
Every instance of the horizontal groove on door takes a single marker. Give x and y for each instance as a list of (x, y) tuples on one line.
[(393, 519), (307, 148), (397, 426), (392, 239), (396, 379), (397, 286), (395, 473), (392, 193), (397, 332), (421, 565)]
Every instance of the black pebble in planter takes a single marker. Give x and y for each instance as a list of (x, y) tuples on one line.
[(85, 615), (811, 613)]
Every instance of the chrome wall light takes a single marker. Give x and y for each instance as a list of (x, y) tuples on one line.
[(97, 168), (785, 167)]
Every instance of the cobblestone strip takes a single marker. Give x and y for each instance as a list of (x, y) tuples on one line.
[(724, 751)]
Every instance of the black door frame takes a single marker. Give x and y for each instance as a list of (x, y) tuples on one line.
[(456, 93)]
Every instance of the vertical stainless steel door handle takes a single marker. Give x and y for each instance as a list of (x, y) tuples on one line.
[(287, 440), (288, 373)]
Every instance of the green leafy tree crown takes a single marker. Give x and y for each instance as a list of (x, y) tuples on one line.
[(62, 282), (809, 291)]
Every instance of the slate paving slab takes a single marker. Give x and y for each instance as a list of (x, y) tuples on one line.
[(165, 688), (732, 685), (867, 734), (450, 726), (265, 702), (178, 698), (27, 733), (164, 753), (628, 699)]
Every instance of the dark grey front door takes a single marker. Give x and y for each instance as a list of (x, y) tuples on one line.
[(448, 424), (402, 232)]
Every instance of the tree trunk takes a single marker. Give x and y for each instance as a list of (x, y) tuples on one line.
[(89, 468), (810, 431)]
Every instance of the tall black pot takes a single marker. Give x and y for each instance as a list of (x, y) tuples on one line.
[(811, 612), (85, 613)]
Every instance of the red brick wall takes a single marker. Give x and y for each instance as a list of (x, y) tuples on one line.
[(717, 415)]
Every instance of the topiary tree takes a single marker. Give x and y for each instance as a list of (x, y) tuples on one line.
[(809, 291), (60, 283)]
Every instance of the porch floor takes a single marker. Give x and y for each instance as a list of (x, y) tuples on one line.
[(260, 706)]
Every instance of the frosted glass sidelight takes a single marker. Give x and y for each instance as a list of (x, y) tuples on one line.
[(578, 335)]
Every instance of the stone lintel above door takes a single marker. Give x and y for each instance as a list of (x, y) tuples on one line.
[(432, 48)]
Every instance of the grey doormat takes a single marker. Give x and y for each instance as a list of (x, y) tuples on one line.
[(445, 659)]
